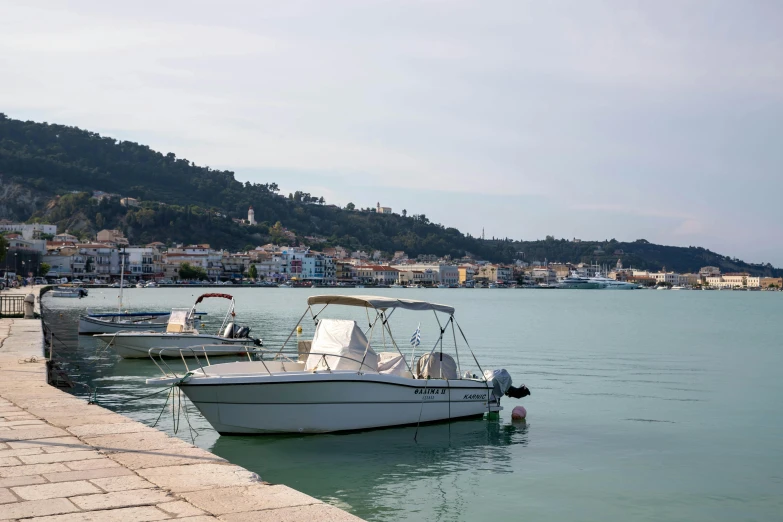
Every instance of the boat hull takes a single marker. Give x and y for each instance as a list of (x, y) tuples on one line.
[(138, 345), (92, 325), (303, 402)]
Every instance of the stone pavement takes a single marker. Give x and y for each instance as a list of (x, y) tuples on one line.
[(64, 460)]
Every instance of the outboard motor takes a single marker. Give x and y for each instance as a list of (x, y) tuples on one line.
[(518, 393), (500, 380), (242, 332)]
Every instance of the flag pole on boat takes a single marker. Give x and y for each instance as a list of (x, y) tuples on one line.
[(415, 341)]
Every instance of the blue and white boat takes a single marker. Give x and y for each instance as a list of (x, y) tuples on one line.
[(92, 323)]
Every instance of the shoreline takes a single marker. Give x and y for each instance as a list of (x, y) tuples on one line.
[(68, 460)]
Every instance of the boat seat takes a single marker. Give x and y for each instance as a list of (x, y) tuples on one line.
[(174, 328)]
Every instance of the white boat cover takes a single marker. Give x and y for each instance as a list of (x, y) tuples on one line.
[(436, 365), (343, 344), (381, 303), (177, 321), (393, 363)]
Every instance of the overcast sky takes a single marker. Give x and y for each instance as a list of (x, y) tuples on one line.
[(655, 120)]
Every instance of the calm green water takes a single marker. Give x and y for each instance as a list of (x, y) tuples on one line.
[(646, 406)]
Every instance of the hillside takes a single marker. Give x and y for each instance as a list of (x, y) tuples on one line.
[(48, 173)]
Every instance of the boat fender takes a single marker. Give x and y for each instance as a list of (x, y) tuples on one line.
[(228, 331), (518, 413), (299, 329)]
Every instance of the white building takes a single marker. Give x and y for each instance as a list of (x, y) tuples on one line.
[(382, 210), (446, 274), (251, 216), (377, 274), (144, 262), (30, 231), (196, 255), (670, 278)]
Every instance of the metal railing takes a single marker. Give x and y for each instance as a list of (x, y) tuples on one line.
[(157, 356), (12, 305)]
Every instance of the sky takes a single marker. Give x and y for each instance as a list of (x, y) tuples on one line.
[(593, 120)]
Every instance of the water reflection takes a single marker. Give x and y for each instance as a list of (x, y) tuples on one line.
[(385, 474)]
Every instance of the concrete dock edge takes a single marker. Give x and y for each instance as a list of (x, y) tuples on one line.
[(62, 459)]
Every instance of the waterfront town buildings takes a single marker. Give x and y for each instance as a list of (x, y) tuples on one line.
[(101, 260)]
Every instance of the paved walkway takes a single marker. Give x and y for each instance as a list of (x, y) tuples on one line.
[(64, 460)]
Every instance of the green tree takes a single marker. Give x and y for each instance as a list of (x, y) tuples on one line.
[(3, 247), (350, 206), (43, 269), (188, 271), (404, 213), (276, 232), (252, 272), (99, 221), (88, 266)]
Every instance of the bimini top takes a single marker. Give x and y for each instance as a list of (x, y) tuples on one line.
[(380, 303)]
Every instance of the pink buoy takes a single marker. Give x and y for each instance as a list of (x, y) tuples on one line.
[(518, 413)]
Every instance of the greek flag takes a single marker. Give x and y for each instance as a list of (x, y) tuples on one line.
[(416, 337)]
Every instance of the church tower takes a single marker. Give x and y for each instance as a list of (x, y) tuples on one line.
[(251, 216)]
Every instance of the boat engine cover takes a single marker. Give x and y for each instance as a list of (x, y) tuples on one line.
[(500, 380)]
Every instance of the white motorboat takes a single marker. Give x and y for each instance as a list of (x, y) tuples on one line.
[(441, 285), (339, 382), (396, 285), (181, 334)]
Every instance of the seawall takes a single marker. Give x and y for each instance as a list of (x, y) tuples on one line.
[(62, 459)]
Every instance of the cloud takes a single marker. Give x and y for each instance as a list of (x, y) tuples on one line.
[(657, 112)]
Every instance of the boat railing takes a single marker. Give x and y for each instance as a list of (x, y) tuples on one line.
[(157, 356)]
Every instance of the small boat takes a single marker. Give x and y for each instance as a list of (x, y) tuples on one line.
[(140, 284), (69, 291), (152, 284), (342, 381), (181, 337), (441, 285), (91, 323), (396, 285), (492, 285), (413, 285)]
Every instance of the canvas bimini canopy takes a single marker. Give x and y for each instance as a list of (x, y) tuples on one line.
[(379, 303), (364, 344)]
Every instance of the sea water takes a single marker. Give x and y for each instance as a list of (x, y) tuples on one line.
[(645, 406)]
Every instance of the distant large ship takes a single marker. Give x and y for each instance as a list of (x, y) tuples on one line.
[(606, 283), (596, 282), (577, 282)]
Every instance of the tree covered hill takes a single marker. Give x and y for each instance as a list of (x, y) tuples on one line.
[(48, 173)]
